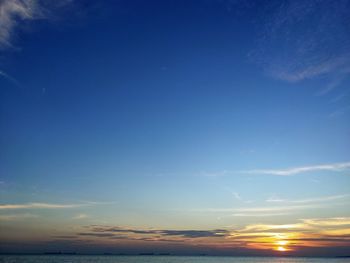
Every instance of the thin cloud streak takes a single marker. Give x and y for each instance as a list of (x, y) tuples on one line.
[(276, 208), (256, 211), (80, 216), (309, 200), (9, 78), (315, 70), (13, 217), (335, 167), (39, 206), (259, 214)]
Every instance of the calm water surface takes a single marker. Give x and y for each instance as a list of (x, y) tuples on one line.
[(161, 259)]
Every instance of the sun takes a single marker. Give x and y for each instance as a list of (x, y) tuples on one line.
[(282, 249), (281, 245)]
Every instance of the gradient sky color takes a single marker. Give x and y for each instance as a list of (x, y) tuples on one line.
[(187, 127)]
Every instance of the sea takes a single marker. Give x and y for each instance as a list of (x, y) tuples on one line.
[(159, 259)]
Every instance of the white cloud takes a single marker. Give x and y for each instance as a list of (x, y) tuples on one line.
[(14, 12), (38, 206), (335, 167)]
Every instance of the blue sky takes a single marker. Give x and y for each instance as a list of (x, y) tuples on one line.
[(174, 115)]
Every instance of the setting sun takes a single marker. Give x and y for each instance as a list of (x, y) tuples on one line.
[(281, 249)]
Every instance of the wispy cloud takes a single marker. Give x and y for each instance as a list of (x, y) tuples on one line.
[(271, 210), (237, 196), (80, 216), (13, 217), (335, 221), (260, 214), (261, 211), (315, 70), (332, 85), (339, 97), (289, 49), (39, 206), (339, 112), (9, 78), (13, 13), (335, 167), (275, 208), (278, 207), (264, 227), (321, 199)]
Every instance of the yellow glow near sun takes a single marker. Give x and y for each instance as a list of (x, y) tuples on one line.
[(282, 243)]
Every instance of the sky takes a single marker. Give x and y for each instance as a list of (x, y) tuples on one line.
[(184, 127)]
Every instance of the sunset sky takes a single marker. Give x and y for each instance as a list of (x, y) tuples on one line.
[(180, 126)]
